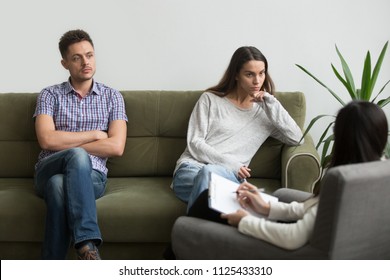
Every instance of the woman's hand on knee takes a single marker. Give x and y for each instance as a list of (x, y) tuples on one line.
[(244, 172)]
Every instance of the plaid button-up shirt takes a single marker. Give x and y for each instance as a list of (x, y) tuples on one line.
[(72, 113)]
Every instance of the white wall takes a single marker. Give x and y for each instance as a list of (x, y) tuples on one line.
[(179, 44)]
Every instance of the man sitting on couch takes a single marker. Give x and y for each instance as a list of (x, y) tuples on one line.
[(79, 124)]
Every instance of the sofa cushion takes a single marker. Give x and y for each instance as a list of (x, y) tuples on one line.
[(18, 221), (132, 210), (156, 134), (138, 209), (19, 148), (157, 130)]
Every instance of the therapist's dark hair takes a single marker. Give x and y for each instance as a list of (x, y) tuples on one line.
[(360, 133)]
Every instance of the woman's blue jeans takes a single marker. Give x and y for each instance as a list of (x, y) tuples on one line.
[(190, 180), (69, 186)]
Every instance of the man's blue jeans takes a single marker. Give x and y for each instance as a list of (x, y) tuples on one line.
[(69, 186), (191, 180)]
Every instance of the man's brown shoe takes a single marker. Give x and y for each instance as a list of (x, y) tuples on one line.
[(88, 252)]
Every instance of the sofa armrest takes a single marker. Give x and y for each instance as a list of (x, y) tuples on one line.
[(198, 239), (287, 195), (301, 167)]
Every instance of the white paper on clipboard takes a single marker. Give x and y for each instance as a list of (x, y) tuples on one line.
[(223, 197)]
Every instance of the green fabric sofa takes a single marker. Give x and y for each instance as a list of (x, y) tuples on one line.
[(138, 210)]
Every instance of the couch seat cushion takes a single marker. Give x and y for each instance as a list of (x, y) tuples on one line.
[(22, 212), (132, 210), (138, 209)]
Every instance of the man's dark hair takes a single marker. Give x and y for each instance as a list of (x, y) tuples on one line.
[(71, 37)]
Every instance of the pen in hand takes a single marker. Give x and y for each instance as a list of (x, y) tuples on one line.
[(252, 191)]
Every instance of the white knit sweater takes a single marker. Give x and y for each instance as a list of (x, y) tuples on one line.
[(221, 133)]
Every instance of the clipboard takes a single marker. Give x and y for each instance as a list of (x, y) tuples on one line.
[(223, 197)]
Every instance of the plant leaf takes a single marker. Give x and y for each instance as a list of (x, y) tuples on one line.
[(324, 134), (326, 161), (382, 103), (351, 92), (347, 71), (377, 67), (387, 150), (381, 92), (366, 78), (322, 84), (325, 149), (312, 122)]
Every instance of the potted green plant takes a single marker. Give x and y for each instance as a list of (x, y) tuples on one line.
[(365, 92)]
